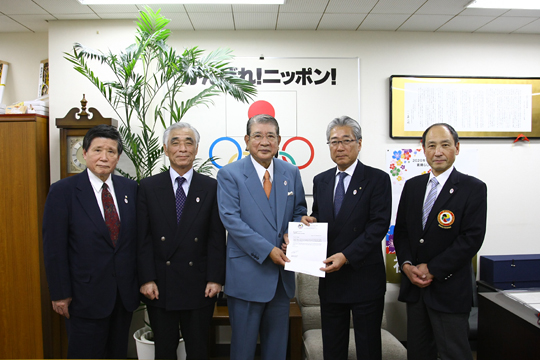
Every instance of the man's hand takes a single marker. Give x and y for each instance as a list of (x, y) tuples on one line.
[(62, 306), (212, 289), (278, 256), (424, 270), (416, 276), (308, 219), (150, 290), (334, 263), (285, 243)]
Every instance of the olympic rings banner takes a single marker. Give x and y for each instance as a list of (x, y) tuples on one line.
[(303, 94), (284, 155)]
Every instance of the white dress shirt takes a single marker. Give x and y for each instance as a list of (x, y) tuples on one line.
[(97, 185)]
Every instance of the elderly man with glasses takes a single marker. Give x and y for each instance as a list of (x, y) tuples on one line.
[(356, 201)]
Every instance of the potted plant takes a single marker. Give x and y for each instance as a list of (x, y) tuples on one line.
[(148, 80), (144, 340)]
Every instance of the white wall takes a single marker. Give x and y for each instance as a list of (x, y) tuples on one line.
[(24, 53), (509, 169)]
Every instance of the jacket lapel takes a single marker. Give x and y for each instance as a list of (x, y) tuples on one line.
[(281, 188), (164, 193), (88, 201), (326, 203), (352, 196), (254, 186), (194, 202)]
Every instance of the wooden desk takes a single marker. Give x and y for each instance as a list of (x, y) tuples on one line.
[(506, 329), (221, 318)]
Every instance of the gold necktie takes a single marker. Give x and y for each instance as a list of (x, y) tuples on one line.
[(267, 185)]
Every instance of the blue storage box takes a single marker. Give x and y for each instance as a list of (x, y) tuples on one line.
[(511, 271)]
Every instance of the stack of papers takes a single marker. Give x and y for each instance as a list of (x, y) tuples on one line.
[(529, 298), (37, 107)]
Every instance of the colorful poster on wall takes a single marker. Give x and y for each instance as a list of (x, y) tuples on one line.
[(403, 164)]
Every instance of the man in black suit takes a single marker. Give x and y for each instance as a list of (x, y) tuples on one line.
[(89, 247), (440, 226), (181, 248), (356, 201)]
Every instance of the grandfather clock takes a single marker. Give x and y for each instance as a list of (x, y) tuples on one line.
[(73, 127)]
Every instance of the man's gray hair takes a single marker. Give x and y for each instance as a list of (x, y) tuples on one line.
[(345, 121), (262, 119), (181, 125)]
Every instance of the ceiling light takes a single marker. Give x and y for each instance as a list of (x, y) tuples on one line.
[(505, 4), (205, 2)]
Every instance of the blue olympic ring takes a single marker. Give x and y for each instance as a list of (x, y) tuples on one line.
[(225, 138)]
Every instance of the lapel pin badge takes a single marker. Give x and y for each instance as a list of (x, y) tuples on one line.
[(126, 200), (451, 191), (354, 192), (197, 199), (285, 183)]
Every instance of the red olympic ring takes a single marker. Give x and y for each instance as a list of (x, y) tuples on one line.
[(310, 147)]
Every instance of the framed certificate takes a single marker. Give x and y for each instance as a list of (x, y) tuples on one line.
[(477, 107)]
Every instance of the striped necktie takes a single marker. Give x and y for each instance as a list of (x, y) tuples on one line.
[(432, 196)]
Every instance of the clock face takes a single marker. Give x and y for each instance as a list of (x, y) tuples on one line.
[(75, 160)]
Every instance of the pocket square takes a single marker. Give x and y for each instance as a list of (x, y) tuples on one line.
[(290, 193)]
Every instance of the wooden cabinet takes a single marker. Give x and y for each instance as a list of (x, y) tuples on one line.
[(30, 329)]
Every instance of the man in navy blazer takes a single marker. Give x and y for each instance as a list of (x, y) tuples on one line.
[(181, 252), (258, 196), (89, 247), (356, 201), (440, 226)]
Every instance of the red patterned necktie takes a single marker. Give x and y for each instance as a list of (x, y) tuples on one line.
[(111, 216)]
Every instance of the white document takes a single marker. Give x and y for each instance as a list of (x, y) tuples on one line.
[(307, 248)]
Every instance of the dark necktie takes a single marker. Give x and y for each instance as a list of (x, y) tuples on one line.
[(180, 198), (111, 216), (430, 200), (340, 193)]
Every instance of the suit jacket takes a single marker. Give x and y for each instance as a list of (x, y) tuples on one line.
[(357, 232), (80, 259), (445, 245), (180, 258), (255, 229)]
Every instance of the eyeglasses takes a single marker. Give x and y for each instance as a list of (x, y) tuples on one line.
[(335, 143), (259, 137)]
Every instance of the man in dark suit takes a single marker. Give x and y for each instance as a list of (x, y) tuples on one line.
[(89, 247), (356, 201), (181, 248), (440, 226), (258, 196)]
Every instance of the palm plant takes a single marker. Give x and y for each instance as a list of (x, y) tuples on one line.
[(149, 76)]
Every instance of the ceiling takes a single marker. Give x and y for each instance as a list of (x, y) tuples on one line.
[(353, 15)]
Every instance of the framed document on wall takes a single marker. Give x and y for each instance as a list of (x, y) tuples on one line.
[(477, 107)]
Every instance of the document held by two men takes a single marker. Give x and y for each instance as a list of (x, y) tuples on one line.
[(307, 248)]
